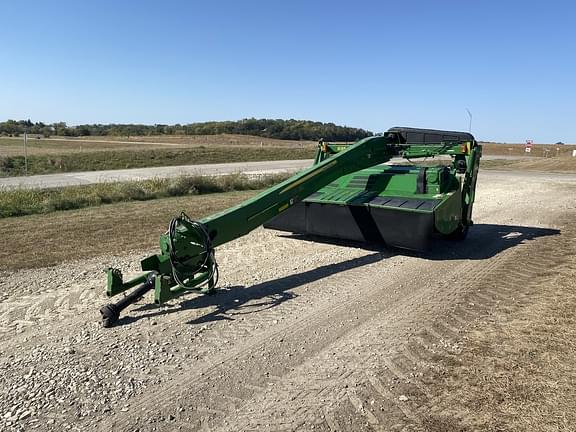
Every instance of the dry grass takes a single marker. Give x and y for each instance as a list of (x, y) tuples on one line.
[(22, 201), (538, 150), (65, 145), (44, 240), (125, 159), (210, 140), (541, 164), (61, 146)]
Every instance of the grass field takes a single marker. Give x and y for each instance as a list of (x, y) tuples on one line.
[(207, 140), (537, 164), (60, 146), (538, 150), (22, 202), (124, 159), (44, 240), (13, 146), (64, 145), (107, 153)]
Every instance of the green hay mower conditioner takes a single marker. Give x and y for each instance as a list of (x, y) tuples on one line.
[(349, 193)]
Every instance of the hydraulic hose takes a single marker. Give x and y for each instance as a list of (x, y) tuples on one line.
[(180, 269)]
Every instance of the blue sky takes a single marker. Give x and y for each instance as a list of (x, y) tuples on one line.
[(369, 64)]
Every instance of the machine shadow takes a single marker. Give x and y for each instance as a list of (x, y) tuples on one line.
[(232, 301), (483, 241)]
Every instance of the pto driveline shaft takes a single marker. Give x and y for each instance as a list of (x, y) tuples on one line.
[(111, 312)]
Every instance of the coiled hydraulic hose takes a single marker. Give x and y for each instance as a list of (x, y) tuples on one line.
[(198, 231)]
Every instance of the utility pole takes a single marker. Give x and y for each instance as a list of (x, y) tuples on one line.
[(470, 121), (26, 151)]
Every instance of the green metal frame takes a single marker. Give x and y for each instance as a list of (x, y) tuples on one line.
[(332, 162)]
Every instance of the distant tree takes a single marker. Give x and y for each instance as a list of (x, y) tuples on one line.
[(82, 130), (47, 131), (59, 128), (271, 128)]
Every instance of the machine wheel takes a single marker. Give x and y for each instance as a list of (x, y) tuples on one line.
[(459, 234)]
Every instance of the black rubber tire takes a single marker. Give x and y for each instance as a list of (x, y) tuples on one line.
[(459, 234)]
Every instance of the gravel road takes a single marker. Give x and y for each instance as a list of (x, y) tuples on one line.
[(301, 336), (46, 181)]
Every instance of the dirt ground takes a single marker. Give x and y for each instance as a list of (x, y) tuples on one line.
[(305, 335)]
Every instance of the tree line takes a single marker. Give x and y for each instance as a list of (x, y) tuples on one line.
[(269, 128)]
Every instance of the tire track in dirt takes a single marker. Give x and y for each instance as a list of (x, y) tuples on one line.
[(359, 353), (223, 369), (508, 286), (400, 373), (222, 366)]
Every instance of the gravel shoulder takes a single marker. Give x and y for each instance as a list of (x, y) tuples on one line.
[(46, 181), (301, 335)]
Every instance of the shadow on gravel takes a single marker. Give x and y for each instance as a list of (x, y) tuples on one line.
[(483, 241), (231, 302)]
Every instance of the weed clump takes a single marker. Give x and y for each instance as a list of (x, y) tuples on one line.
[(21, 202)]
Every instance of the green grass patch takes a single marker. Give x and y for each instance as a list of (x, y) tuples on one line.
[(125, 159), (21, 202)]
